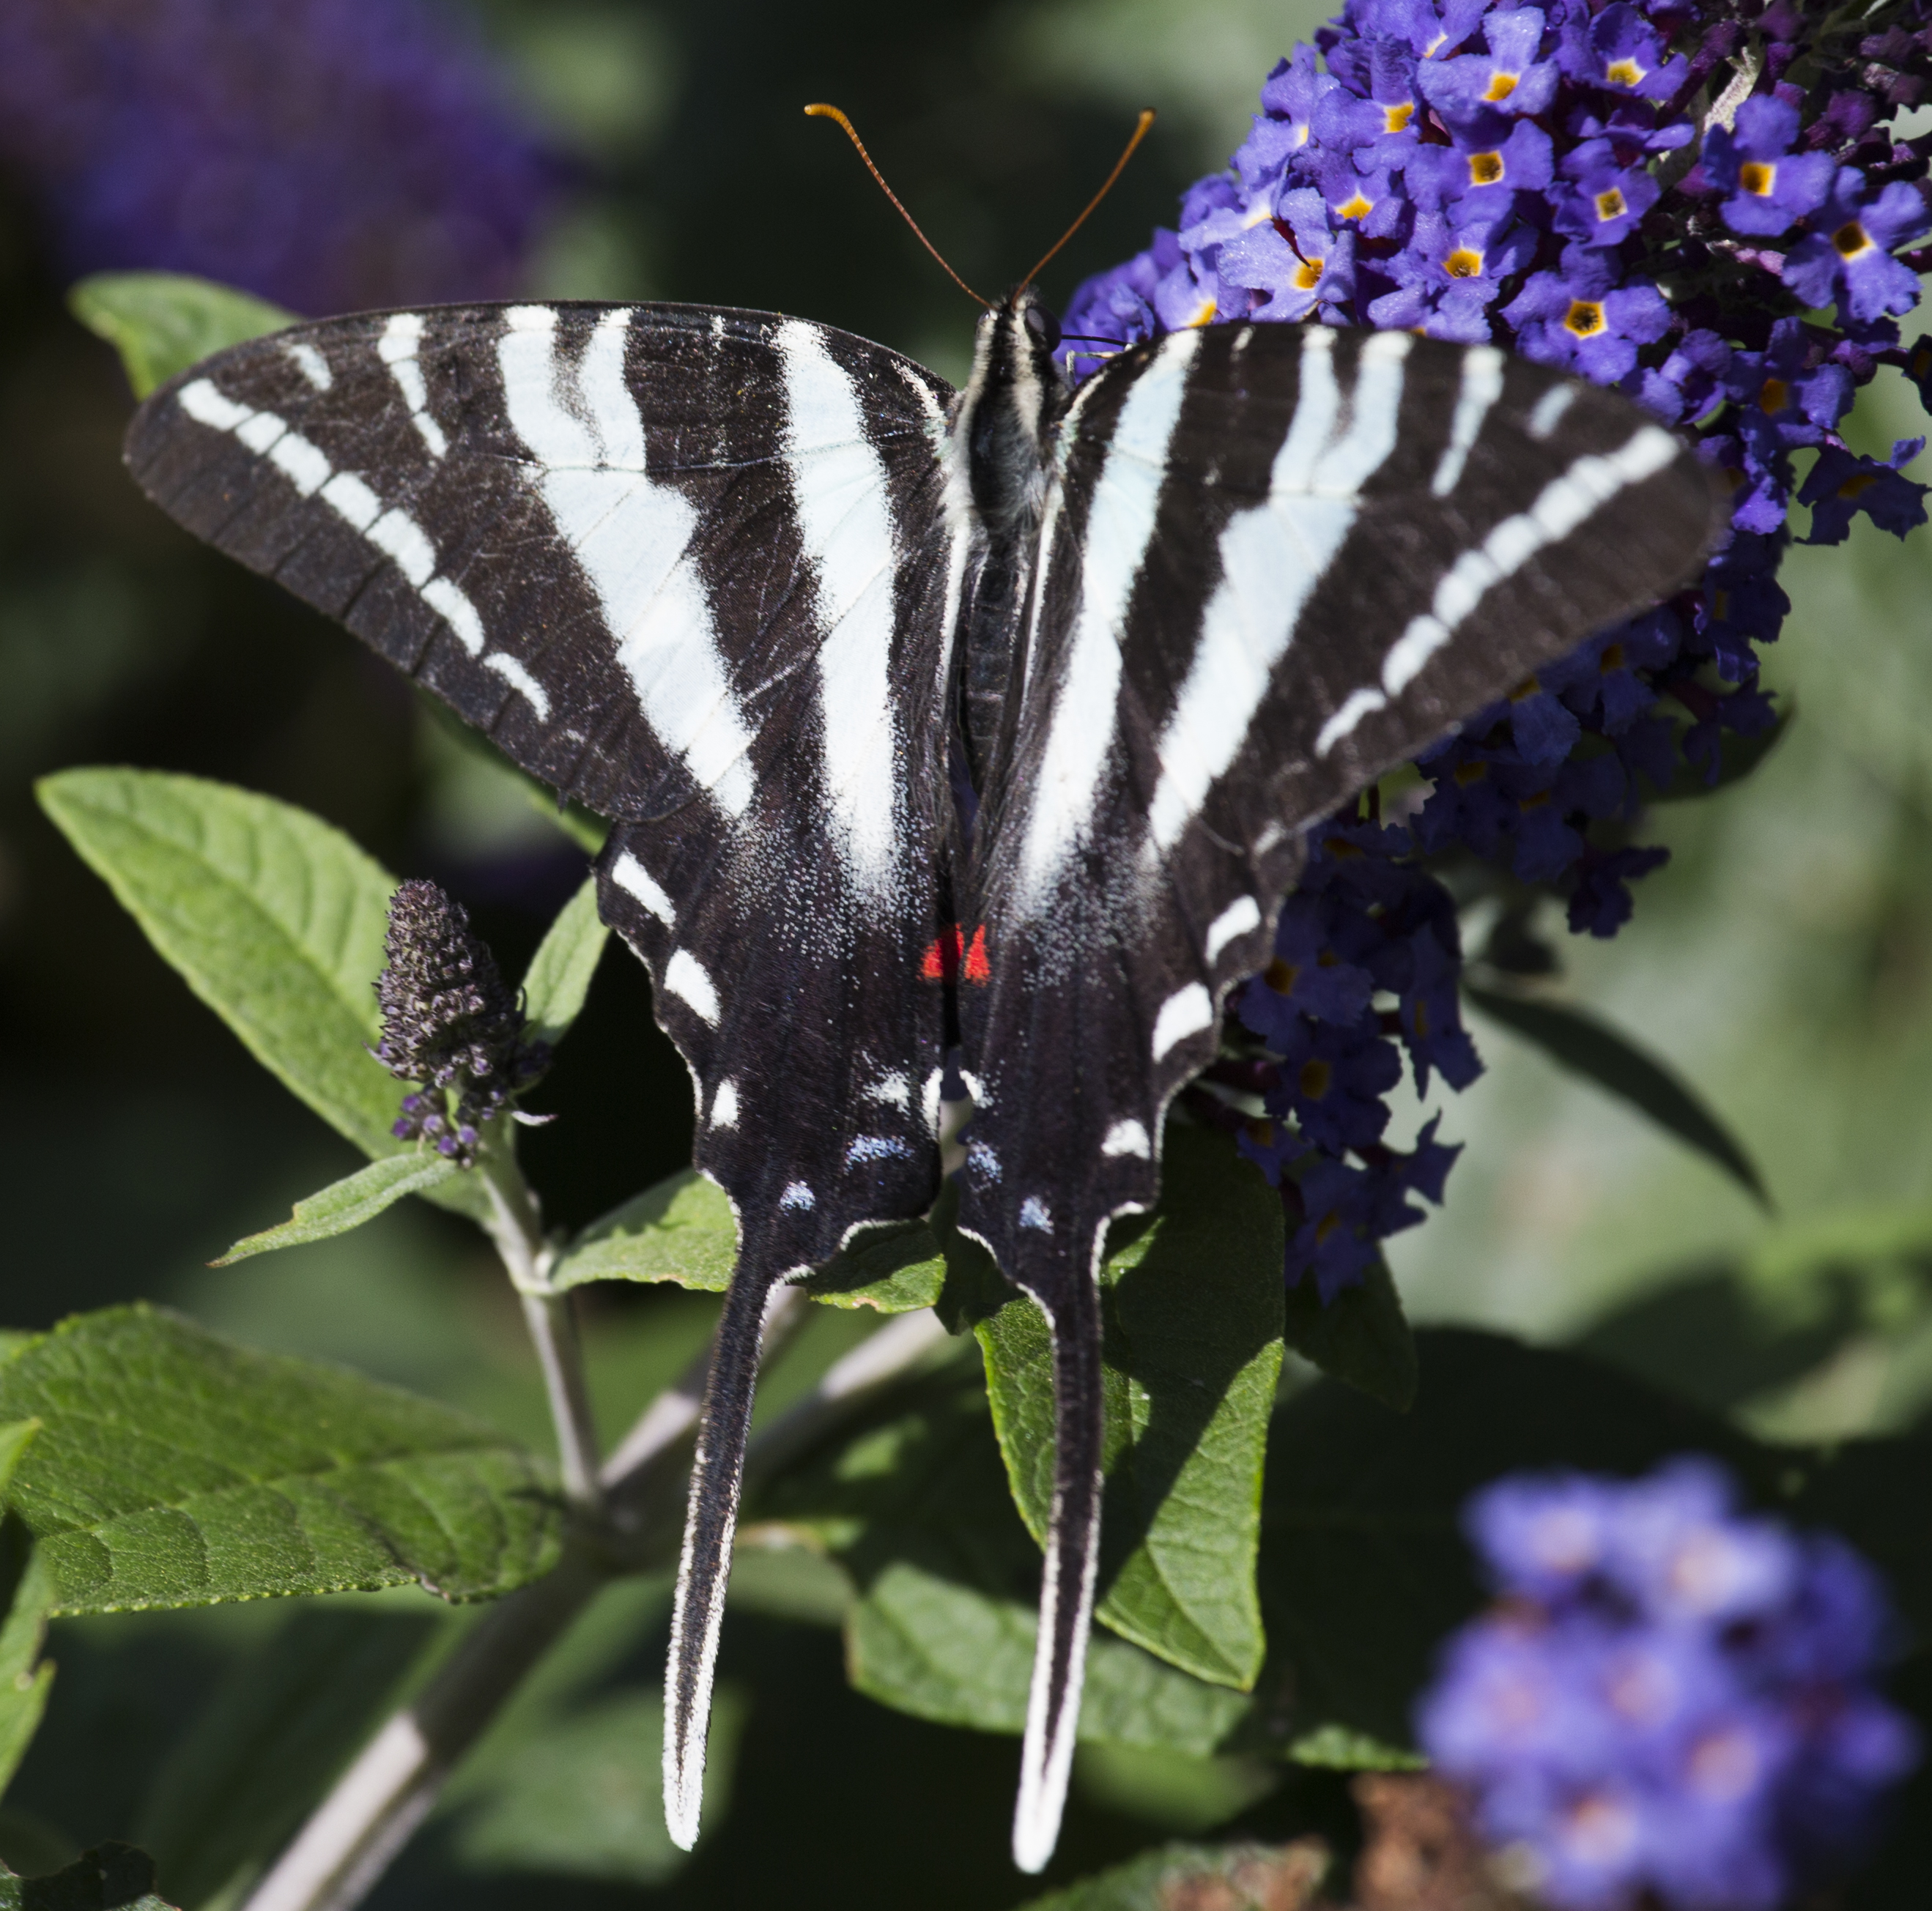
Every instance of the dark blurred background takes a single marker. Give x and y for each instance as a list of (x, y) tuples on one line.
[(338, 154)]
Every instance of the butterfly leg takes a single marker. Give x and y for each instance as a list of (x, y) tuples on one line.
[(1066, 1589), (711, 1521)]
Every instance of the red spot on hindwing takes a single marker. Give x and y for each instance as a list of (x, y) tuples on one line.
[(948, 955)]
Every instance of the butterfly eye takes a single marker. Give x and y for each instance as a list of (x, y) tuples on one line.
[(1043, 325)]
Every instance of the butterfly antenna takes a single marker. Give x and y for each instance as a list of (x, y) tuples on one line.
[(1119, 166), (819, 110)]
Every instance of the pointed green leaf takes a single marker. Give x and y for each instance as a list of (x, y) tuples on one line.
[(1594, 1050), (1361, 1336), (111, 1877), (163, 322), (24, 1585), (682, 1230), (1192, 1313), (895, 1268), (275, 920), (1231, 1877), (348, 1204), (285, 1718), (173, 1468), (559, 978)]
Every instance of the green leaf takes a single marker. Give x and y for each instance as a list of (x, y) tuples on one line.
[(1594, 1050), (682, 1230), (275, 920), (1232, 1877), (285, 1718), (175, 1469), (915, 1503), (558, 977), (1192, 1313), (163, 322), (581, 1795), (24, 1587), (1737, 757), (1361, 1336), (348, 1204), (896, 1268), (112, 1877)]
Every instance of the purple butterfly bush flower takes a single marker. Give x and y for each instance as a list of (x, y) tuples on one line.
[(1557, 179), (327, 154), (1671, 1702)]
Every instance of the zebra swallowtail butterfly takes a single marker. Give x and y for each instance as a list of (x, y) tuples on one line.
[(988, 718)]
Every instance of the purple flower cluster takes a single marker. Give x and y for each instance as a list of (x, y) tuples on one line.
[(1670, 1703), (328, 153), (1638, 194), (450, 1022)]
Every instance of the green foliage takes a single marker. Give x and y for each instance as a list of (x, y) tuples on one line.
[(1582, 1042), (581, 1795), (163, 322), (274, 919), (348, 1202), (1362, 1336), (559, 976), (24, 1678), (681, 1230), (173, 1468), (895, 1269), (1192, 1310), (284, 1721), (916, 1506), (1231, 1877), (112, 1877)]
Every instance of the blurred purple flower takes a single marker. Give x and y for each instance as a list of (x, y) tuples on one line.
[(327, 154), (1667, 1695)]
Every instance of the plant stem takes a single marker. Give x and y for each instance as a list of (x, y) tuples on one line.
[(516, 1227), (369, 1814)]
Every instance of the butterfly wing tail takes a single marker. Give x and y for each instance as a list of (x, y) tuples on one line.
[(704, 1570), (1067, 1590)]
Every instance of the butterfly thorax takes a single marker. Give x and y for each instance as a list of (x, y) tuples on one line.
[(1000, 448)]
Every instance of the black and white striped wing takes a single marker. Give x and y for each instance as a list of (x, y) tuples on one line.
[(675, 561), (1279, 560)]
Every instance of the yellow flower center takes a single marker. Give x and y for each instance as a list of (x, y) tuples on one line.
[(1501, 86), (1260, 1132), (1315, 1075), (1585, 316), (1850, 240), (1525, 690), (1395, 119), (1468, 773), (1421, 1018), (1612, 659), (1308, 275), (1327, 1224), (1358, 208), (1755, 177), (1623, 72), (1537, 800), (1773, 395), (1205, 316), (1485, 169), (1280, 976), (1720, 606), (1463, 263), (1858, 483), (1610, 204)]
